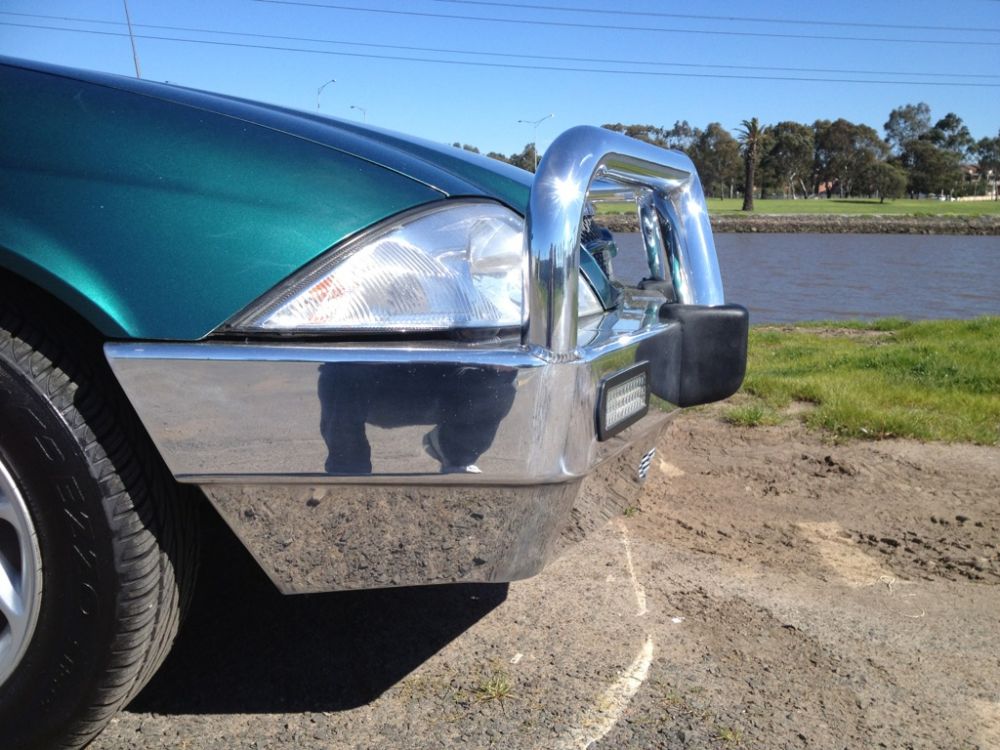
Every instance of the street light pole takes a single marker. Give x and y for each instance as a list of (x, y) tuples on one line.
[(364, 112), (131, 36), (534, 136), (320, 91)]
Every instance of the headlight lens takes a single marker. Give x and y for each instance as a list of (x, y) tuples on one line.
[(457, 266), (589, 304)]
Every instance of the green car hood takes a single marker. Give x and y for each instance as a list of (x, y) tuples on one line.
[(159, 212)]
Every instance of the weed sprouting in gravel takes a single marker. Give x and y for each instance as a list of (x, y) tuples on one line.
[(729, 735), (497, 687)]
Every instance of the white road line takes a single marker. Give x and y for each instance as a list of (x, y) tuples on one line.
[(594, 724), (640, 592)]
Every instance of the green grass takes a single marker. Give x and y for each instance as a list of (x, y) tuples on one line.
[(835, 206), (929, 380), (753, 414)]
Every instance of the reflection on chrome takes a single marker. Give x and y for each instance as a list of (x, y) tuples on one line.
[(311, 538), (353, 395), (654, 235), (566, 191), (692, 207)]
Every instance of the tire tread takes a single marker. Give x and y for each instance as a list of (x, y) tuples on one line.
[(152, 519)]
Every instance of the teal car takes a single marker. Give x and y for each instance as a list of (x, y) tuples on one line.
[(382, 361)]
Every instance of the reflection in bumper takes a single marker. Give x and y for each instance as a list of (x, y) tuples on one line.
[(312, 538)]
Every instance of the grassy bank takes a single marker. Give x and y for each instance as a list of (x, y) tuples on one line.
[(834, 217), (931, 380), (837, 207)]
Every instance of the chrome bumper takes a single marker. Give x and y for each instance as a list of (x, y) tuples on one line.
[(319, 457), (353, 466)]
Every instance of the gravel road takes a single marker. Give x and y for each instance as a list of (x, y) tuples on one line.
[(774, 590)]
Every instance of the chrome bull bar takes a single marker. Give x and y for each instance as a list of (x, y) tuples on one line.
[(374, 499), (589, 163)]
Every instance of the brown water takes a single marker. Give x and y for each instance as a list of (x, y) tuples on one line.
[(789, 277)]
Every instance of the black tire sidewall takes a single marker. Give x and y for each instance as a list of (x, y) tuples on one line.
[(71, 643)]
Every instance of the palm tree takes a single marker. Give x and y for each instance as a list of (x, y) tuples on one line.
[(750, 134)]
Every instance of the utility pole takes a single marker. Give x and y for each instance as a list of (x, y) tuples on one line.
[(135, 55), (364, 112), (534, 134), (320, 91)]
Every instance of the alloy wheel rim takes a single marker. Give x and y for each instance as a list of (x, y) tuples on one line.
[(20, 576)]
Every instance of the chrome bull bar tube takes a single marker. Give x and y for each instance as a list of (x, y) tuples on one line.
[(588, 161)]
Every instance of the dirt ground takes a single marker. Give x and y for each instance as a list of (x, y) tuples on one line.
[(774, 590)]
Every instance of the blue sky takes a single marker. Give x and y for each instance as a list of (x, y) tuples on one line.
[(481, 105)]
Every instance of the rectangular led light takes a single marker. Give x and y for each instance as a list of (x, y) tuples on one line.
[(623, 401)]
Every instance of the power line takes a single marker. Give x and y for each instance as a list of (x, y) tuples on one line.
[(555, 58), (734, 19), (510, 66), (609, 27)]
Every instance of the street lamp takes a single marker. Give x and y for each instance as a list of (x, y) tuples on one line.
[(320, 90), (363, 111), (534, 136)]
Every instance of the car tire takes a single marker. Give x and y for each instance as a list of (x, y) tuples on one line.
[(98, 545)]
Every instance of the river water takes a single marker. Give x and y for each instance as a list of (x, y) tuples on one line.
[(789, 277)]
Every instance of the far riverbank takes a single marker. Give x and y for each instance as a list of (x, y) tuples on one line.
[(829, 224)]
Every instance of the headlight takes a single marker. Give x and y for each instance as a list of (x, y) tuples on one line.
[(458, 265), (455, 266)]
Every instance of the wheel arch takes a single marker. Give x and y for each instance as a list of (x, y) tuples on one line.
[(87, 298), (80, 320)]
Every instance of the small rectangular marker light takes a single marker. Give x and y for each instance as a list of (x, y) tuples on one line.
[(623, 400)]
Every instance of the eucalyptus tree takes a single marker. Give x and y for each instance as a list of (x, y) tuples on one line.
[(844, 152), (716, 155), (905, 124), (641, 132), (788, 157), (681, 136), (988, 160), (884, 180), (951, 134), (933, 169), (526, 160)]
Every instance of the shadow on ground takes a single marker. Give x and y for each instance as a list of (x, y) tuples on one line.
[(245, 648)]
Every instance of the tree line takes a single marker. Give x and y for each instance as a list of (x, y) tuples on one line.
[(917, 157)]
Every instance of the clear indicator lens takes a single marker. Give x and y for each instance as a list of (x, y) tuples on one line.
[(587, 299)]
